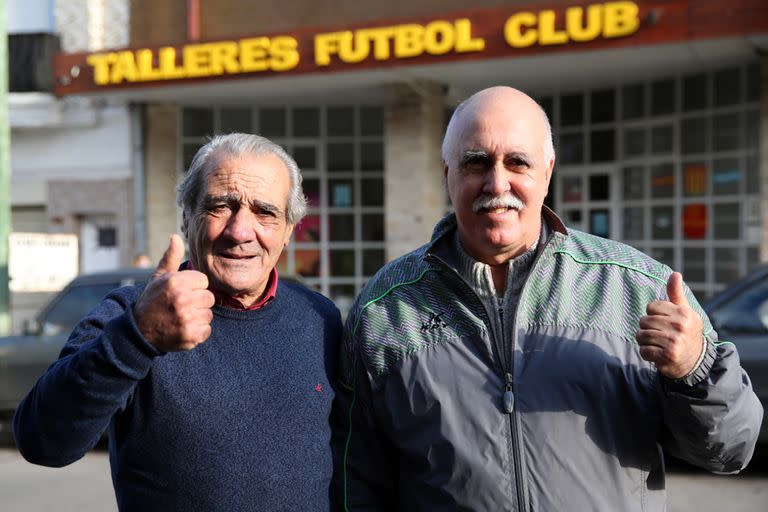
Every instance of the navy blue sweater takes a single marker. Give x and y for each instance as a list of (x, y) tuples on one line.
[(238, 423)]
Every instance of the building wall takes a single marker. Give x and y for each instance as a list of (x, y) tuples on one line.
[(161, 171), (162, 21), (415, 197)]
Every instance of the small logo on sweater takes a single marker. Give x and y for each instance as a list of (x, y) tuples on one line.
[(319, 387), (435, 322)]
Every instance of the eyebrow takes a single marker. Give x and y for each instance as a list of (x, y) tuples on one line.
[(255, 204), (482, 156)]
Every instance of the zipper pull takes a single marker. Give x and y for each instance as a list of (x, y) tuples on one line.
[(509, 397)]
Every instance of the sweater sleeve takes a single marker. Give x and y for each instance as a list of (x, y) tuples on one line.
[(73, 402), (712, 417)]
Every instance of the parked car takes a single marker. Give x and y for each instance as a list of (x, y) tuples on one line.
[(25, 357), (740, 314)]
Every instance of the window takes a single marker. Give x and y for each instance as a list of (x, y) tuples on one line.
[(746, 313)]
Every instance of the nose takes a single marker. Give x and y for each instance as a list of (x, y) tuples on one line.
[(496, 181), (241, 226)]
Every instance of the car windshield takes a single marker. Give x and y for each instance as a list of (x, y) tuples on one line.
[(746, 313), (73, 305)]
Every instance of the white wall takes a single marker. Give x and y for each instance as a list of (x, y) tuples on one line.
[(25, 16), (100, 150)]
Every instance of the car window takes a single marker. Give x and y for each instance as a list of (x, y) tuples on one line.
[(73, 305), (746, 313)]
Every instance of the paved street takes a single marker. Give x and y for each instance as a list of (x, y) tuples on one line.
[(86, 487)]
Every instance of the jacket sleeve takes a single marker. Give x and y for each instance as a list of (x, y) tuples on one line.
[(712, 417), (365, 477), (72, 403)]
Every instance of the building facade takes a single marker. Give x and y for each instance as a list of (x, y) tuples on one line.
[(659, 112)]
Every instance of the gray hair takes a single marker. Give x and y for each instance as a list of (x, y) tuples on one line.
[(449, 140), (192, 186)]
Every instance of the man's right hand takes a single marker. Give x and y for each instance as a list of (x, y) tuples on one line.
[(174, 310)]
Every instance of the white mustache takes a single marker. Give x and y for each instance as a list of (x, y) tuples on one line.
[(486, 202)]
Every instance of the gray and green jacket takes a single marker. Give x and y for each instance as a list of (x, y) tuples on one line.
[(421, 422)]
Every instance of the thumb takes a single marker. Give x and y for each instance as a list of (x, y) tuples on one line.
[(676, 290), (171, 258)]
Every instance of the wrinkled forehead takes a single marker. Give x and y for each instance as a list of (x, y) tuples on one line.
[(499, 132), (261, 176)]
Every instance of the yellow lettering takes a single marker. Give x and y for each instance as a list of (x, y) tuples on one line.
[(253, 54), (124, 68), (100, 63), (513, 30), (574, 23), (547, 32), (439, 37), (409, 41), (224, 58), (167, 61), (144, 63), (355, 47), (621, 19), (197, 60), (464, 41), (284, 54), (380, 38), (325, 46)]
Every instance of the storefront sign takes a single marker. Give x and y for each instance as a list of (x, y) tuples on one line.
[(478, 34), (41, 262)]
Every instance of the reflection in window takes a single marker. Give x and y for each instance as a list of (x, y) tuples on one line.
[(603, 145), (572, 189), (272, 122), (343, 262), (571, 110), (695, 265), (726, 219), (197, 122), (373, 260), (341, 156), (633, 101), (634, 224), (662, 139), (373, 227), (599, 223), (634, 183), (726, 176), (372, 156), (725, 132), (662, 218), (571, 148), (342, 228), (306, 122), (308, 230), (341, 193), (634, 142), (340, 121), (306, 157), (694, 135), (727, 268), (372, 191), (663, 97), (663, 180), (694, 179), (307, 262), (666, 255)]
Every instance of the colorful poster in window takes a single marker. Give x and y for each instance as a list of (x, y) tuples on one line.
[(695, 221), (308, 230), (599, 223), (695, 179)]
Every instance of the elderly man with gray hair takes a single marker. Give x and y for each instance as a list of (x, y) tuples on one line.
[(215, 379)]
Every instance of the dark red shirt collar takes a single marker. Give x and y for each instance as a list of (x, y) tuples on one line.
[(230, 302)]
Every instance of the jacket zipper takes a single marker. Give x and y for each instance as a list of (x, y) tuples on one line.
[(508, 396)]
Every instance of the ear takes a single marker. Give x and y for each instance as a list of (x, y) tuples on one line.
[(550, 169), (288, 233)]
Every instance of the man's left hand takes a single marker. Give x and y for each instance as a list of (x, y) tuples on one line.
[(671, 333)]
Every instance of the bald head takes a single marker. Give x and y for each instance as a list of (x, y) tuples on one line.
[(495, 101)]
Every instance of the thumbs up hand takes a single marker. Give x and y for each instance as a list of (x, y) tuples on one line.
[(670, 335), (174, 310)]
